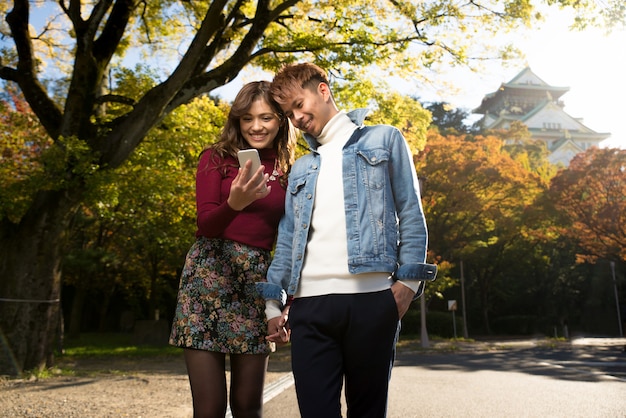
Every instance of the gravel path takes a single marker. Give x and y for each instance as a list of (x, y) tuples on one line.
[(154, 387)]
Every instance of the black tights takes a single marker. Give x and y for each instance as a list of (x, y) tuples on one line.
[(207, 377)]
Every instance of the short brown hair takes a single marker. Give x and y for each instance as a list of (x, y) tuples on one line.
[(297, 76)]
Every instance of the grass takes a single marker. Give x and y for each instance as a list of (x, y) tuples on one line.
[(113, 345), (553, 342), (102, 346)]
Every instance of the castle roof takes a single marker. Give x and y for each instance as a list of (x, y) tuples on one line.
[(526, 82)]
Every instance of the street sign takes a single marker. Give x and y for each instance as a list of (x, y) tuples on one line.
[(452, 308)]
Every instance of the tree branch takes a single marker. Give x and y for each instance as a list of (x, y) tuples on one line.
[(227, 71), (45, 109), (151, 108), (109, 39)]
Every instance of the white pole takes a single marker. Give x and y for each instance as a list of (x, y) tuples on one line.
[(619, 315), (424, 333), (465, 335)]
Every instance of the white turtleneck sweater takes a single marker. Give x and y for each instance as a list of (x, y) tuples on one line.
[(325, 268)]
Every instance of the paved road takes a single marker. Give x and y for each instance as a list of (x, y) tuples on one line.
[(506, 379)]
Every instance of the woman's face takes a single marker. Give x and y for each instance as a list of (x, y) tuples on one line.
[(259, 126)]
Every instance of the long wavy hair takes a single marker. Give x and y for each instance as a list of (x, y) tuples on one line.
[(231, 140)]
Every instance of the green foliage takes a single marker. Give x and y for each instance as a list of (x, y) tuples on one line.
[(129, 83), (404, 113), (112, 345), (446, 277), (138, 221), (70, 162), (517, 325), (448, 120), (439, 324), (531, 154)]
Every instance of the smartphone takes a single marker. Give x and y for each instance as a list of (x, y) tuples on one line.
[(249, 154)]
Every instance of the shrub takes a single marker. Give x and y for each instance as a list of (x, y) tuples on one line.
[(437, 323)]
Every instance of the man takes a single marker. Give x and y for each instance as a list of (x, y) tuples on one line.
[(350, 252)]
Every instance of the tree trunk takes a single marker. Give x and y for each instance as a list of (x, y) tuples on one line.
[(153, 302), (76, 315), (486, 325), (30, 282), (484, 298), (104, 307)]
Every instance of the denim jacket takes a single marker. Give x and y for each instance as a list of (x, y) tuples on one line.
[(386, 229)]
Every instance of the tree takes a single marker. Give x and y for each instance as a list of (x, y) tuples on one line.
[(475, 200), (136, 224), (530, 153), (449, 120), (591, 194), (217, 40)]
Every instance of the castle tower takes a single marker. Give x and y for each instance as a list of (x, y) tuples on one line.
[(532, 101)]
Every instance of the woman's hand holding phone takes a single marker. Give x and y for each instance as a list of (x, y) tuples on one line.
[(250, 183)]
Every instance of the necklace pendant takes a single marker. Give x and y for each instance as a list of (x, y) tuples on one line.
[(274, 175)]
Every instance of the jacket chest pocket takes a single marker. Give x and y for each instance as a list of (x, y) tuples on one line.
[(373, 165), (299, 195)]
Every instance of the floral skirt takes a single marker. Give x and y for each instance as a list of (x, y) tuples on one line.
[(219, 308)]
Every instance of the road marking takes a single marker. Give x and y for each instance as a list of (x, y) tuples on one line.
[(582, 363)]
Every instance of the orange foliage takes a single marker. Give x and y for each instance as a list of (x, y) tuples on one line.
[(474, 193), (591, 193)]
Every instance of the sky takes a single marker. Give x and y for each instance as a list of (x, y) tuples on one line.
[(589, 63)]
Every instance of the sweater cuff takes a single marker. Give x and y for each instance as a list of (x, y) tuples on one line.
[(272, 309)]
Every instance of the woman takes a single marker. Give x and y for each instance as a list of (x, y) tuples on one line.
[(219, 310)]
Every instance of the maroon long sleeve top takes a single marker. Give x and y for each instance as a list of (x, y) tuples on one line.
[(257, 224)]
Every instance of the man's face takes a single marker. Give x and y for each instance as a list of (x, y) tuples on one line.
[(310, 110)]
